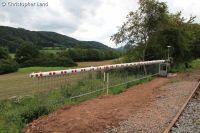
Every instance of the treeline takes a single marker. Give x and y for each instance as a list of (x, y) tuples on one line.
[(29, 49), (78, 54), (151, 29), (28, 55), (12, 38)]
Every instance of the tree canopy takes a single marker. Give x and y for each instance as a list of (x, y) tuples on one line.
[(7, 64), (151, 28)]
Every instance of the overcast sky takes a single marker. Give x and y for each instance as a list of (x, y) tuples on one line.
[(93, 20)]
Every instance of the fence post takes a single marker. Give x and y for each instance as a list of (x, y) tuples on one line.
[(107, 84), (104, 80)]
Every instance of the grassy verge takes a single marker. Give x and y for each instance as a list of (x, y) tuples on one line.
[(36, 69), (16, 113), (181, 67), (124, 87)]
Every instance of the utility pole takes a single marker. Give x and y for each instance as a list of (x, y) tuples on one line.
[(169, 52)]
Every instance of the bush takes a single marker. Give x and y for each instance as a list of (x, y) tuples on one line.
[(50, 62), (34, 112), (8, 66)]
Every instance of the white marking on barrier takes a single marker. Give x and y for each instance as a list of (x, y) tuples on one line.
[(88, 69)]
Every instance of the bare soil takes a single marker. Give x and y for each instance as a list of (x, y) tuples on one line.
[(148, 107)]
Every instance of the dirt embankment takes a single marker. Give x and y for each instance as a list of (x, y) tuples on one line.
[(148, 107)]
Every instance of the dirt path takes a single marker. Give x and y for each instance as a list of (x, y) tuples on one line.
[(144, 108)]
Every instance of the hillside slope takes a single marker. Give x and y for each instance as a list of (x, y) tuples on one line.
[(13, 37)]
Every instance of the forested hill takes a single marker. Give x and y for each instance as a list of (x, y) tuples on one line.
[(13, 37)]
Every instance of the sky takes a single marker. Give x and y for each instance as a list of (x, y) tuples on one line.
[(91, 20)]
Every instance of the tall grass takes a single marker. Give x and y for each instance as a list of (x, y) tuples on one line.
[(16, 113), (182, 68)]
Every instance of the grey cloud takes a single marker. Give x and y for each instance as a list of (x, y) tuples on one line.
[(81, 7), (56, 25), (14, 15), (27, 17)]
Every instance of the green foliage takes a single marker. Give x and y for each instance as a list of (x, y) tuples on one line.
[(36, 69), (78, 54), (4, 53), (28, 55), (121, 88), (7, 64), (16, 113), (117, 90), (12, 38), (195, 63), (181, 67), (49, 61), (149, 30), (174, 37), (48, 49), (33, 112), (141, 24), (26, 52)]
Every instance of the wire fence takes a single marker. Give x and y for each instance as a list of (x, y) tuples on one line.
[(76, 85)]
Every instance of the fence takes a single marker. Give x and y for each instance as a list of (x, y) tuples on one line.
[(81, 82)]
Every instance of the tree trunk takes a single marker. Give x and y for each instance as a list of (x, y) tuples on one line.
[(144, 67), (143, 56)]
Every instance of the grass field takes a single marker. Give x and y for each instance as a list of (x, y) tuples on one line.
[(53, 51), (39, 69), (19, 83)]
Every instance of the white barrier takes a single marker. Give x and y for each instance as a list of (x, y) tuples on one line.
[(88, 69)]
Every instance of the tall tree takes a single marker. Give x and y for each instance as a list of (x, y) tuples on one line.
[(25, 52), (141, 24), (4, 53)]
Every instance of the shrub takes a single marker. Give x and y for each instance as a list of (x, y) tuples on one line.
[(50, 62), (33, 113), (8, 66)]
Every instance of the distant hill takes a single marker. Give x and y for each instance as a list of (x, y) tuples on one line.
[(13, 37), (120, 49)]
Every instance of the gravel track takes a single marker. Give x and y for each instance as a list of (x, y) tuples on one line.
[(189, 121), (154, 117)]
